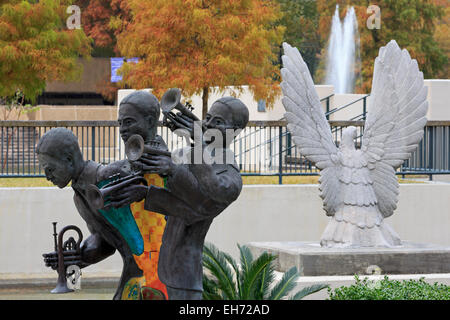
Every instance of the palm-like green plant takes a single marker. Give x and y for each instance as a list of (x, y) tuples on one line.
[(251, 280)]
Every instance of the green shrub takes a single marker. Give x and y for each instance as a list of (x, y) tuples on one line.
[(386, 289)]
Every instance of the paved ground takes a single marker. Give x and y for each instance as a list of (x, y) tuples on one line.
[(101, 286), (43, 293), (94, 286)]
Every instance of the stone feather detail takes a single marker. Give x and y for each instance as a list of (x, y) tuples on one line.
[(394, 126)]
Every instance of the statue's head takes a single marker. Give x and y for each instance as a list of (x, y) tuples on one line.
[(60, 156), (227, 113), (349, 135), (139, 114)]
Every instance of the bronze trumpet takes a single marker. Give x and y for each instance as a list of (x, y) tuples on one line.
[(135, 147), (171, 100), (70, 247), (97, 197)]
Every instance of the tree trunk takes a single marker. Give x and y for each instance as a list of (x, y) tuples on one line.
[(205, 102)]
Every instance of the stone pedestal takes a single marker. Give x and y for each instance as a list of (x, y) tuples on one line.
[(313, 260)]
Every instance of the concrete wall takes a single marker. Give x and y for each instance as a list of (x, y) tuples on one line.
[(261, 213), (354, 110), (70, 113), (438, 99)]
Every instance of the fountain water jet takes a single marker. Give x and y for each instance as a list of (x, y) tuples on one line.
[(343, 52)]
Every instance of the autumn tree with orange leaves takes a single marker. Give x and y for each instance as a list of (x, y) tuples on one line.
[(103, 20), (36, 46), (200, 46)]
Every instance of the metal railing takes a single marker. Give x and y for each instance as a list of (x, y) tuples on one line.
[(263, 148), (361, 116)]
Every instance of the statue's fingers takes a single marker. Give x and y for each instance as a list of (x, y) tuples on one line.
[(53, 254), (180, 125), (150, 161), (157, 160), (157, 156), (146, 157), (173, 118), (120, 204), (114, 204), (68, 253), (116, 198), (187, 118), (123, 195), (51, 259), (143, 156), (152, 169), (183, 121)]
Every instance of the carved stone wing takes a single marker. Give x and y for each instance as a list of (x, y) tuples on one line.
[(307, 123), (395, 122)]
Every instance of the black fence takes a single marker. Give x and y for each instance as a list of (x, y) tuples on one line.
[(264, 148)]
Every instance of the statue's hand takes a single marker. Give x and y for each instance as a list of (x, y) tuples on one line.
[(127, 195), (180, 121), (51, 259), (159, 164)]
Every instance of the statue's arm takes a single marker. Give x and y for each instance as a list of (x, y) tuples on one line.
[(95, 249), (121, 167), (195, 195), (185, 186), (222, 186), (165, 202), (196, 182)]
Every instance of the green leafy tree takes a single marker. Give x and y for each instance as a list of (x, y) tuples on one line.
[(253, 279), (301, 20), (36, 46), (442, 36)]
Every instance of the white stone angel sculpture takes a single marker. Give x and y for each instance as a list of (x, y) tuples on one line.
[(359, 187)]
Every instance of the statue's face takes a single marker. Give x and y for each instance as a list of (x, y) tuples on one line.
[(58, 171), (131, 121), (218, 117)]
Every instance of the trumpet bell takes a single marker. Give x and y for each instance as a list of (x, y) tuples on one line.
[(170, 99), (95, 196), (134, 147)]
